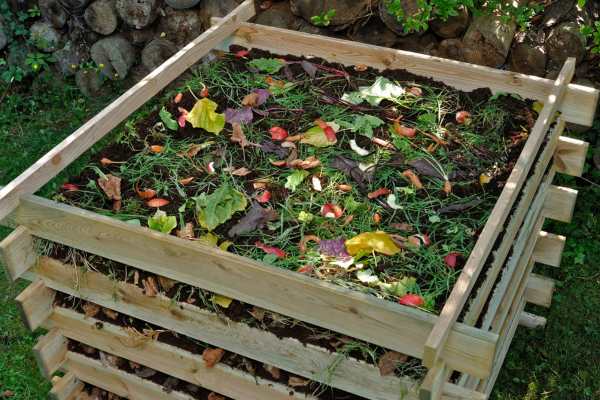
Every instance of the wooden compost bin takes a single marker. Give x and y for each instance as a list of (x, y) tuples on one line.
[(443, 344)]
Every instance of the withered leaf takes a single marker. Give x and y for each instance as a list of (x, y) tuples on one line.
[(136, 277), (103, 359), (272, 147), (256, 219), (250, 100), (90, 309), (134, 365), (113, 360), (274, 371), (399, 241), (238, 134), (248, 364), (295, 381), (310, 162), (112, 189), (431, 167), (193, 388), (212, 356), (187, 232), (96, 393), (9, 393), (86, 348), (352, 169), (110, 313), (149, 287), (292, 157), (401, 226), (145, 372), (165, 283), (112, 396), (387, 363), (459, 207), (214, 396), (169, 384), (258, 313), (241, 172)]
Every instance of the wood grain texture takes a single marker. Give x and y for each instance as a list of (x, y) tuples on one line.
[(67, 388), (532, 321), (82, 139), (342, 310), (431, 388), (539, 290), (549, 249), (288, 354), (50, 352), (437, 339), (560, 203), (17, 253), (569, 157), (35, 304), (579, 103)]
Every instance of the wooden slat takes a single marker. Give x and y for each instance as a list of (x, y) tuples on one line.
[(359, 315), (579, 102), (82, 139), (569, 157), (50, 352), (560, 203), (549, 249), (17, 253), (288, 354), (67, 388), (539, 290), (35, 304), (532, 321), (437, 339), (431, 388)]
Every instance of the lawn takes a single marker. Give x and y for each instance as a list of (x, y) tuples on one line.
[(561, 361)]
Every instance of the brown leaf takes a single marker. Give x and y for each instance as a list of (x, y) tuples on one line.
[(310, 162), (8, 393), (295, 381), (187, 232), (292, 157), (112, 396), (214, 396), (250, 100), (90, 309), (96, 393), (274, 371), (110, 313), (258, 313), (136, 277), (401, 226), (387, 363), (241, 172), (399, 241), (266, 5), (278, 163), (112, 189), (86, 348), (149, 287), (103, 359), (191, 152), (145, 372), (165, 283), (113, 360), (134, 365), (169, 384), (238, 135), (212, 357)]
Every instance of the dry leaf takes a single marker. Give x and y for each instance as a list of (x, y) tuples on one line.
[(292, 157), (401, 226), (187, 232), (212, 357), (399, 241), (112, 189), (193, 150), (136, 277), (214, 396), (250, 100), (169, 384), (241, 172), (310, 162), (387, 363), (96, 393), (295, 381), (165, 283), (145, 372), (149, 287), (112, 396), (110, 313), (258, 313), (274, 371), (90, 309), (266, 5), (113, 360), (282, 163), (134, 365), (248, 364), (289, 145), (8, 393), (103, 359), (86, 348), (238, 135)]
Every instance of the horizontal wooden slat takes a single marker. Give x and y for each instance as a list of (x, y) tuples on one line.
[(532, 321), (578, 105), (17, 253), (67, 388), (431, 388), (50, 352), (35, 304), (569, 156), (539, 290), (560, 203), (343, 310), (549, 249)]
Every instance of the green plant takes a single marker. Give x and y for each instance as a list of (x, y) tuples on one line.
[(34, 12), (589, 31), (13, 73), (324, 19), (38, 60)]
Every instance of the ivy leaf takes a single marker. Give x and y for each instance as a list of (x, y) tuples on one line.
[(161, 223), (317, 136), (167, 118), (271, 65), (203, 115), (294, 180)]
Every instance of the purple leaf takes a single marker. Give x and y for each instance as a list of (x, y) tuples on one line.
[(352, 169), (242, 117), (261, 113), (263, 95), (309, 68), (288, 74), (431, 167), (334, 248), (271, 147), (256, 219)]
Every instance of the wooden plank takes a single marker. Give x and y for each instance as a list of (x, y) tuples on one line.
[(539, 290), (82, 139), (67, 388), (437, 339), (549, 249), (431, 388), (288, 354), (359, 315), (569, 157), (560, 203), (532, 321), (50, 352), (578, 105), (17, 253), (35, 304)]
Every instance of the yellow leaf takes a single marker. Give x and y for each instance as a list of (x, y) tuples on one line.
[(317, 137), (221, 300), (225, 245), (369, 241), (538, 106), (203, 115)]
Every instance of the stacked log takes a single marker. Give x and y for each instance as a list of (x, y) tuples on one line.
[(565, 39), (371, 30), (53, 12), (101, 16), (114, 56), (216, 8), (157, 52), (346, 11), (450, 49), (409, 7), (180, 26), (278, 15), (527, 56), (454, 26), (45, 36), (138, 13)]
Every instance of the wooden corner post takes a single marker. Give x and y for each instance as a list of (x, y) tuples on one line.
[(50, 352), (35, 304), (68, 388), (17, 253)]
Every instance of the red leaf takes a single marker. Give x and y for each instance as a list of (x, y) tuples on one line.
[(242, 53), (158, 202), (68, 186), (379, 192), (331, 211), (266, 196), (411, 300), (181, 121), (450, 259), (271, 250), (278, 133)]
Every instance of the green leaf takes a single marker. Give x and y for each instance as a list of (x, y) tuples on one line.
[(203, 115), (401, 288), (317, 136), (516, 96), (278, 89), (581, 3), (216, 208), (271, 65), (295, 179), (364, 124), (161, 223), (100, 173), (167, 118), (382, 89), (330, 14), (366, 276)]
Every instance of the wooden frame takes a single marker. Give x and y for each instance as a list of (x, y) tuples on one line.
[(442, 343)]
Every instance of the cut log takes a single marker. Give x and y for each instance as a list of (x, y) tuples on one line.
[(346, 11), (216, 8), (3, 39), (65, 61), (81, 36), (74, 6), (180, 26), (87, 81), (157, 52), (427, 43), (114, 56), (16, 6), (454, 26), (182, 4), (371, 30), (53, 12), (140, 37), (279, 15), (45, 36), (527, 56), (450, 49), (391, 20), (488, 40), (315, 30), (138, 13), (565, 40), (101, 16)]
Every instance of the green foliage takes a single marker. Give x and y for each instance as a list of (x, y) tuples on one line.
[(589, 31), (324, 19), (168, 120), (216, 208), (13, 73), (271, 65), (362, 124), (38, 61), (295, 179), (34, 12), (160, 222)]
